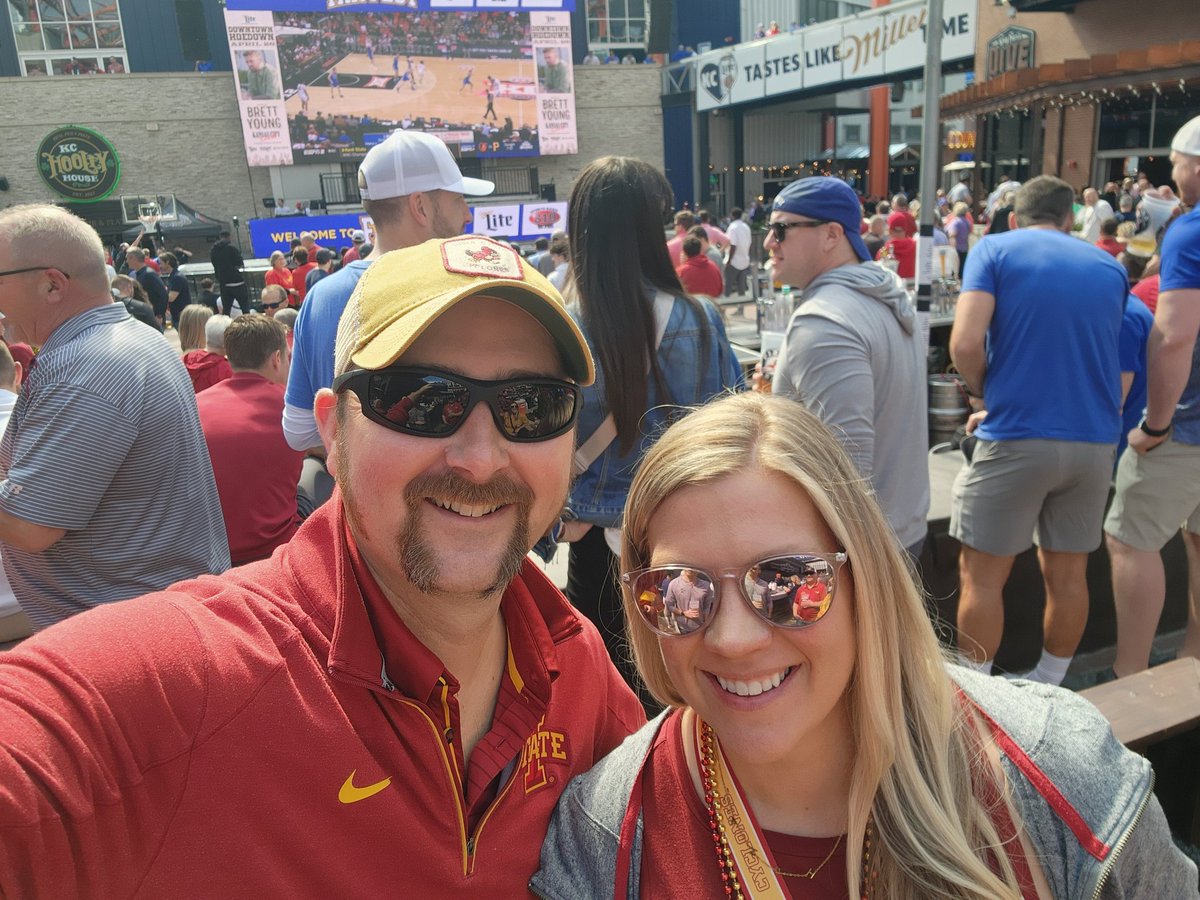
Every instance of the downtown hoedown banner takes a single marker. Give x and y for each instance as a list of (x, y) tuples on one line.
[(260, 91)]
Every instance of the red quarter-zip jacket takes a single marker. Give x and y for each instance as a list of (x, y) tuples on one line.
[(238, 736)]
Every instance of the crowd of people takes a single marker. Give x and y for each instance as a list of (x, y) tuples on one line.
[(280, 576), (322, 41), (347, 135)]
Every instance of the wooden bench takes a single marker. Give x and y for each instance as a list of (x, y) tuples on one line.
[(1153, 705), (1149, 707)]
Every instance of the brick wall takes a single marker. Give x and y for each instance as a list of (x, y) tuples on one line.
[(617, 112), (1078, 143), (196, 151), (1094, 27)]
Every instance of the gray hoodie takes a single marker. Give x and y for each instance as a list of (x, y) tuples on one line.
[(1085, 802), (854, 357)]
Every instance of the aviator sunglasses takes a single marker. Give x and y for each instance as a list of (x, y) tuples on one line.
[(791, 591), (431, 403)]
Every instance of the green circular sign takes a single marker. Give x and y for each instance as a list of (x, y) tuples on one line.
[(78, 163)]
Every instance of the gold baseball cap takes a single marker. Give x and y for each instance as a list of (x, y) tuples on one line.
[(404, 291)]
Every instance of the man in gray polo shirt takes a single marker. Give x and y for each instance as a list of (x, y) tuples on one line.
[(106, 489)]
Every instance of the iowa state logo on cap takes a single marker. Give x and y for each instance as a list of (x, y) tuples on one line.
[(478, 256)]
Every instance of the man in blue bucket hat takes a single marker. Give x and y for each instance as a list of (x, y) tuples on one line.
[(852, 353)]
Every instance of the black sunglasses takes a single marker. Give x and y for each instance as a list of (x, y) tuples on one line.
[(432, 403), (779, 229), (791, 591), (274, 305), (35, 269)]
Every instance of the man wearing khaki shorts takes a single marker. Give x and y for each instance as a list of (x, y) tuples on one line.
[(1158, 479), (1036, 332)]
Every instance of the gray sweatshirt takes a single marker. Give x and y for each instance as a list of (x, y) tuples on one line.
[(853, 356), (1085, 802)]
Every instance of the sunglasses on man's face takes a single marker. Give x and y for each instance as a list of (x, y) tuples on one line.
[(779, 230), (274, 305), (432, 403), (790, 591)]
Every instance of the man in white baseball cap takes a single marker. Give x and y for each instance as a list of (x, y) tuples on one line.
[(413, 191), (358, 238), (1158, 476)]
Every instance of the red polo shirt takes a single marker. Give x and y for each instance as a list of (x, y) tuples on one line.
[(256, 470)]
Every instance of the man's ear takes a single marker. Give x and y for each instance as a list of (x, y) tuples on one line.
[(325, 412), (58, 282), (420, 208), (18, 376)]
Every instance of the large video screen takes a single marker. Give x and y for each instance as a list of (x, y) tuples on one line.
[(325, 85)]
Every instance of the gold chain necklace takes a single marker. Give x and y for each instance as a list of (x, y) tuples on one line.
[(811, 873)]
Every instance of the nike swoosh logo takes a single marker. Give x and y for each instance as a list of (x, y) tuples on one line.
[(351, 794)]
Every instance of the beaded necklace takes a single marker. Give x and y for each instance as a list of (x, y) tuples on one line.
[(730, 879)]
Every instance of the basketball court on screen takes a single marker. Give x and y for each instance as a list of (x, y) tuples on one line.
[(373, 89)]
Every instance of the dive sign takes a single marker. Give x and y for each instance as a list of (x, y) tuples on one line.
[(78, 163)]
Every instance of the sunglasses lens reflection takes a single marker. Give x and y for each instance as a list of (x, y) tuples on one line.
[(789, 591), (434, 405)]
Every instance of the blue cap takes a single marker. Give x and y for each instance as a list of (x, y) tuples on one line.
[(827, 200)]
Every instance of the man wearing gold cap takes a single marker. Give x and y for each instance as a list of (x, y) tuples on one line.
[(391, 704)]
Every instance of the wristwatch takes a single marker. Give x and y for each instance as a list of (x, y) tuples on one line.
[(1154, 432)]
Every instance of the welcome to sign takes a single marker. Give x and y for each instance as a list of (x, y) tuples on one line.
[(871, 46)]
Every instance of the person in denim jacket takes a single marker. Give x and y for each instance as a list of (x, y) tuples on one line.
[(625, 291)]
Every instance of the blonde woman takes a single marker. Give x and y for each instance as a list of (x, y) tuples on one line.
[(840, 756), (191, 327), (279, 275)]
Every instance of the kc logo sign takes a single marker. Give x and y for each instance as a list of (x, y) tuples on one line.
[(718, 78)]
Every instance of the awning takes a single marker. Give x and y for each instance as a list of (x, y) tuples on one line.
[(863, 151), (961, 165)]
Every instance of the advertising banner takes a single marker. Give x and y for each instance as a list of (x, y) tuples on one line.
[(784, 64), (390, 5), (331, 232), (326, 81), (869, 48), (520, 221), (551, 35), (822, 55), (497, 221), (260, 91)]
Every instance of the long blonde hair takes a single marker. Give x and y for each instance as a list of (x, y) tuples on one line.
[(915, 748), (191, 326)]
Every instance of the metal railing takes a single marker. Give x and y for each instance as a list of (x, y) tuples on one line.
[(512, 180), (679, 78), (340, 187)]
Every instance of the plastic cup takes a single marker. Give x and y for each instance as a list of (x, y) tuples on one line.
[(1153, 214)]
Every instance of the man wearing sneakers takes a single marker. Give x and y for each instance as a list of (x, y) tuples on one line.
[(1158, 478), (1036, 337)]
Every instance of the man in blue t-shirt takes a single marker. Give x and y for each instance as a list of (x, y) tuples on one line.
[(1135, 334), (1158, 477), (1036, 336), (413, 191)]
